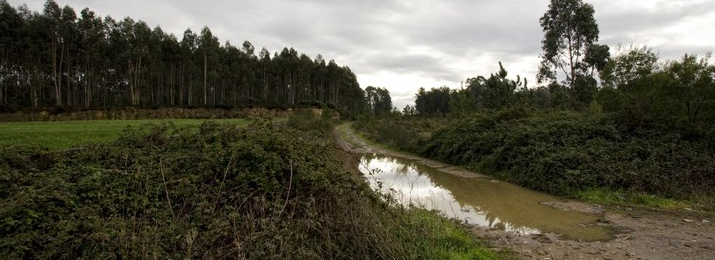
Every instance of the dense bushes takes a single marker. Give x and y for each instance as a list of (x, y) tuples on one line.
[(565, 152), (400, 133), (320, 120), (261, 192)]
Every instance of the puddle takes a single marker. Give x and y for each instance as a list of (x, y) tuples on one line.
[(479, 201)]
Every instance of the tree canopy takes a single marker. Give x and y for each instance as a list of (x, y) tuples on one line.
[(378, 99), (60, 58), (569, 44), (495, 92)]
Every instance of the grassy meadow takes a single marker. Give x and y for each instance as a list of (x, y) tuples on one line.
[(58, 135)]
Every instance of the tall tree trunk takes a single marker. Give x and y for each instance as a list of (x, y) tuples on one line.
[(571, 62), (205, 76), (190, 90), (138, 82), (33, 85), (182, 81), (56, 71), (131, 82), (171, 85), (265, 85), (69, 82), (151, 86)]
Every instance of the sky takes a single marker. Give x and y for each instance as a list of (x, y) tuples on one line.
[(403, 45)]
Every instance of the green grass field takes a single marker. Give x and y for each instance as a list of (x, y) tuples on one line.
[(65, 134)]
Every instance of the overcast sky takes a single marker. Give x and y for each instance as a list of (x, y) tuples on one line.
[(407, 44)]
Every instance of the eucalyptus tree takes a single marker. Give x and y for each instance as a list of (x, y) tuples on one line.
[(209, 47), (333, 74), (304, 87), (569, 41), (70, 35), (172, 57), (52, 23), (247, 71), (11, 25), (138, 35), (378, 100), (318, 77), (266, 71), (435, 101), (92, 42), (59, 58), (189, 44)]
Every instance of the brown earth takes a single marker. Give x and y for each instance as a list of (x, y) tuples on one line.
[(641, 233)]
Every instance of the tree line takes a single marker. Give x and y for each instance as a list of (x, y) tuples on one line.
[(634, 84), (378, 99), (58, 58)]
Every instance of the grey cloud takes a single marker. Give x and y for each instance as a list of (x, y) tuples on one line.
[(676, 52), (615, 23), (480, 25), (408, 63)]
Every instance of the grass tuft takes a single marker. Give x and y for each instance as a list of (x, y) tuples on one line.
[(618, 197)]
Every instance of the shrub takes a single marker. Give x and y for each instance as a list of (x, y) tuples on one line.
[(565, 152), (400, 134), (312, 120), (260, 192)]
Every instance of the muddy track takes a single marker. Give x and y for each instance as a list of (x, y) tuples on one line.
[(641, 233)]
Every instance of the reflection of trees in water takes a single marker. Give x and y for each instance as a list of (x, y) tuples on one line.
[(405, 165), (463, 210), (503, 205)]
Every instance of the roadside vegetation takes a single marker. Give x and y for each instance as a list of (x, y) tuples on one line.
[(587, 156), (565, 153), (262, 191)]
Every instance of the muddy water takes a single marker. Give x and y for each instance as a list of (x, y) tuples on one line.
[(477, 200)]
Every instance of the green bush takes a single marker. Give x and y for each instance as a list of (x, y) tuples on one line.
[(403, 134), (321, 121), (566, 152), (259, 192)]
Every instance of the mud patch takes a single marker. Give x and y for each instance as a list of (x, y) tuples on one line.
[(574, 206)]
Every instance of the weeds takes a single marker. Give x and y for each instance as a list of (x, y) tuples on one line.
[(259, 192), (322, 121), (400, 134), (620, 197)]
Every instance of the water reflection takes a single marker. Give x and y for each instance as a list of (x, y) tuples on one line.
[(478, 201)]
